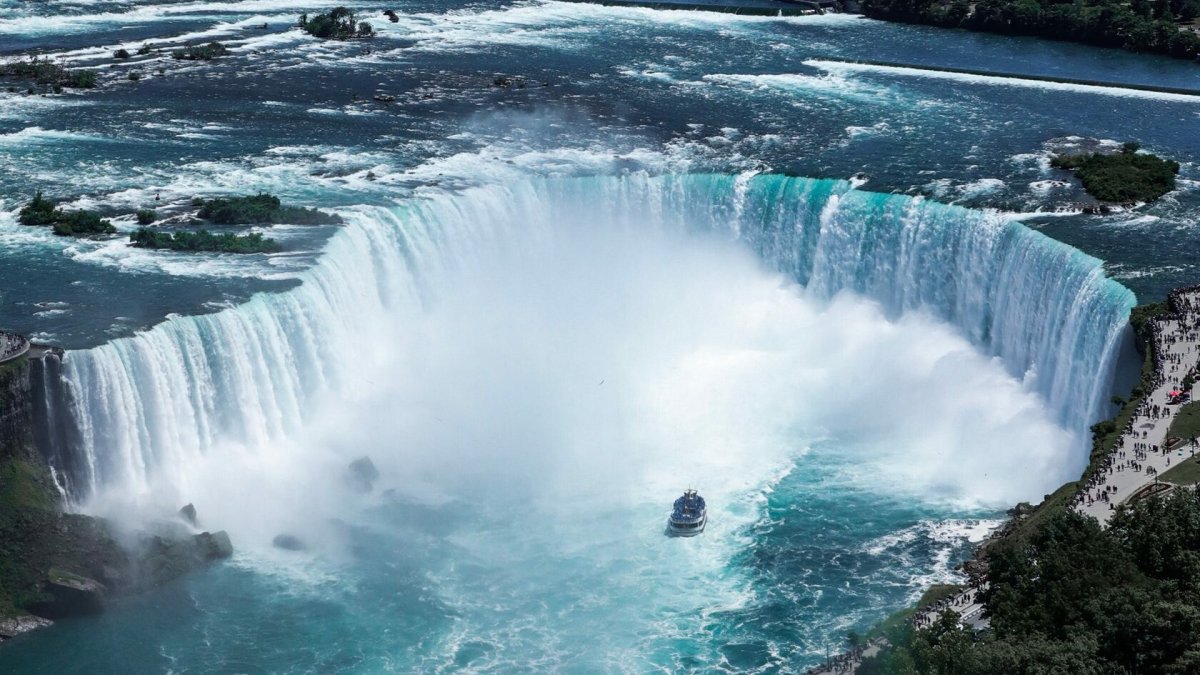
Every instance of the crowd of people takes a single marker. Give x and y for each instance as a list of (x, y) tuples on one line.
[(1174, 338), (926, 616), (12, 345)]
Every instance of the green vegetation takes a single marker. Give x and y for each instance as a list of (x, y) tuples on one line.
[(203, 240), (934, 593), (145, 49), (46, 72), (1187, 472), (1066, 596), (39, 211), (1186, 424), (1140, 25), (1077, 599), (81, 224), (43, 212), (206, 52), (121, 54), (146, 216), (134, 76), (1125, 176), (260, 209), (338, 24)]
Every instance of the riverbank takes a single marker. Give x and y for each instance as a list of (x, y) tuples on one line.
[(1104, 24), (1129, 452)]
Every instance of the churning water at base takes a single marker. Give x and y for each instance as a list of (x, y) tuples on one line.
[(539, 369)]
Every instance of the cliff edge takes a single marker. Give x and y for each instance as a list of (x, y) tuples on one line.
[(55, 564)]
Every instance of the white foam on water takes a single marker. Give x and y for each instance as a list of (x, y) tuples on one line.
[(142, 13), (40, 136), (834, 85), (1115, 90)]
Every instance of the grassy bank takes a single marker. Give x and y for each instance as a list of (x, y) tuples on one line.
[(1186, 424)]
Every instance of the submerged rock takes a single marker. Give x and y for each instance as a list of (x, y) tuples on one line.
[(288, 543), (362, 474)]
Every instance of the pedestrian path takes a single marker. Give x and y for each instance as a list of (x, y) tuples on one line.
[(966, 604), (1142, 453)]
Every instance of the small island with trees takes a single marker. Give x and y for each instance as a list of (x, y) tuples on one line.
[(43, 71), (338, 23), (203, 241), (81, 223), (259, 209), (205, 52), (1124, 177)]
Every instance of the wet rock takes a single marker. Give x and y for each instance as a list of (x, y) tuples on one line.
[(13, 626), (288, 543), (362, 474), (213, 545), (165, 558), (68, 595), (505, 82), (188, 513)]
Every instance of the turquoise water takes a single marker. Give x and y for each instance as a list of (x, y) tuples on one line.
[(554, 305)]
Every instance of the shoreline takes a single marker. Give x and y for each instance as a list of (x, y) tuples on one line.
[(963, 600)]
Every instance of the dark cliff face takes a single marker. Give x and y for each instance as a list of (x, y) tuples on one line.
[(55, 564), (54, 431), (16, 409), (49, 560)]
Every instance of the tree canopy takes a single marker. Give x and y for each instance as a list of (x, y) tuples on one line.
[(1075, 599), (1140, 25), (1126, 176), (338, 23)]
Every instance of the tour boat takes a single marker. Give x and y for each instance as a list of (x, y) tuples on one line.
[(689, 515)]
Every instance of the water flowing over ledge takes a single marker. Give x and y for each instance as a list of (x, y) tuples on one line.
[(151, 403)]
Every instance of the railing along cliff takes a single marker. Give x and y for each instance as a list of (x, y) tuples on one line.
[(12, 346)]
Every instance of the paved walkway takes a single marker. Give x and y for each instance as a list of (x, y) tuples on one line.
[(1140, 456), (966, 604), (847, 664)]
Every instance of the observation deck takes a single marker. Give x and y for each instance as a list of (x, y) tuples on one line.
[(12, 346)]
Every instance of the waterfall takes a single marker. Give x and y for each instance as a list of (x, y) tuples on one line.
[(251, 374)]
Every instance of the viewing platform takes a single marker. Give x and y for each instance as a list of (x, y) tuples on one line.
[(12, 346)]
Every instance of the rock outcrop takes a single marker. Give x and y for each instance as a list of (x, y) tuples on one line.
[(362, 474), (188, 513), (54, 564), (288, 542)]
